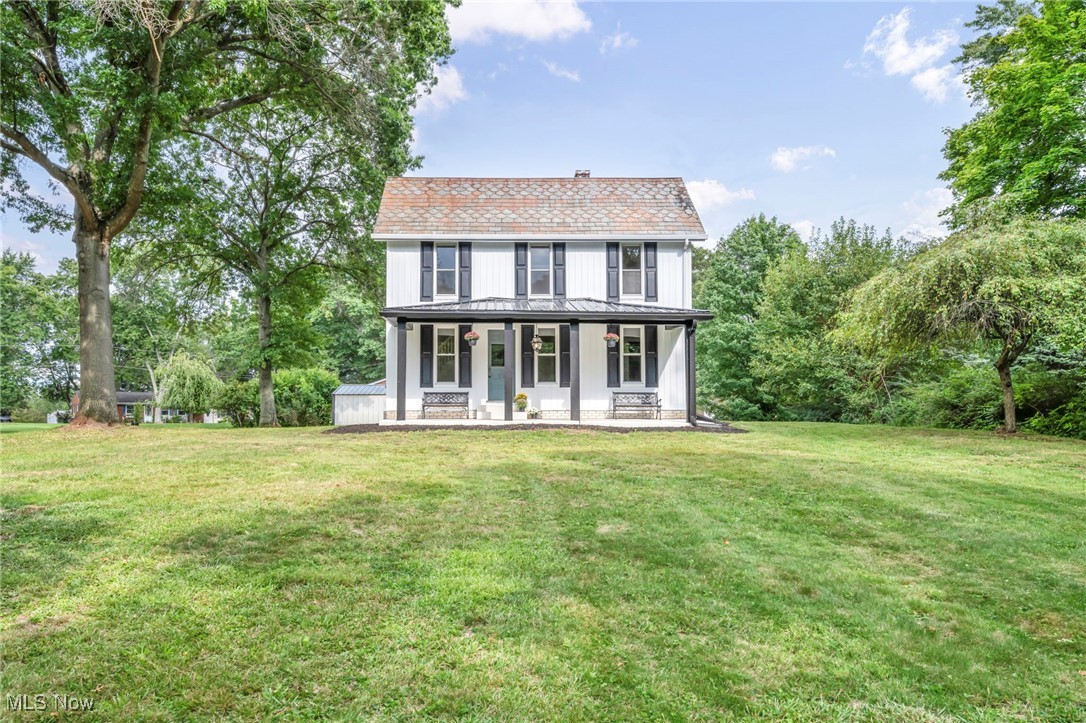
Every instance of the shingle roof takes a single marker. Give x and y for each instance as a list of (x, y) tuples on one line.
[(364, 389), (133, 397), (548, 309), (548, 206)]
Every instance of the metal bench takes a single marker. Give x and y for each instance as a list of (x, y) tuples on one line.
[(635, 402), (444, 400)]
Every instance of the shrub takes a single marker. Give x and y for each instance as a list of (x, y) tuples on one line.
[(1068, 420), (967, 397), (303, 397), (240, 403)]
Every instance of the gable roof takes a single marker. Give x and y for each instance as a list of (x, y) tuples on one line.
[(544, 310), (512, 207)]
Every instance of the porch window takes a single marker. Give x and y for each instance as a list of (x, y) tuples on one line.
[(631, 355), (540, 261), (546, 359), (446, 355), (445, 271), (631, 269)]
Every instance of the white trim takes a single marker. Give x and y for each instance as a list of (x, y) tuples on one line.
[(485, 237)]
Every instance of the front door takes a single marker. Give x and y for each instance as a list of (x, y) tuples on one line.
[(495, 366)]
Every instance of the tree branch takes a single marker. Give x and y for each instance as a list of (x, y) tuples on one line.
[(25, 147)]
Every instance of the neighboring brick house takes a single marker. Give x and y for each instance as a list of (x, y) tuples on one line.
[(541, 269)]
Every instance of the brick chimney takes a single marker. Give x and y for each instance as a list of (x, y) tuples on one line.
[(582, 174)]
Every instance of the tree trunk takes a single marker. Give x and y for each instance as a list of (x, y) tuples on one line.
[(268, 417), (97, 385), (1003, 366)]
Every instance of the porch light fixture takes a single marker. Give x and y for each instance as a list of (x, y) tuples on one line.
[(537, 343)]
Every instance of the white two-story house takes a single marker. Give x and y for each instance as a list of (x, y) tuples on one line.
[(502, 286)]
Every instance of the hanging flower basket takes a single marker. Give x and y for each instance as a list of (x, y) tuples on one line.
[(472, 337), (611, 339)]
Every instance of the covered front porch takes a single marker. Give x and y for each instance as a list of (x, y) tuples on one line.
[(478, 356)]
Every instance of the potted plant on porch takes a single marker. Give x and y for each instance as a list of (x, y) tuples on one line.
[(611, 339), (472, 338), (520, 404)]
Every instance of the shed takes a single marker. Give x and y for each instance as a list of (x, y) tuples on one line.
[(358, 404)]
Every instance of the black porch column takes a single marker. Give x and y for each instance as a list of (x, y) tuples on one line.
[(510, 369), (575, 371), (691, 374), (401, 369)]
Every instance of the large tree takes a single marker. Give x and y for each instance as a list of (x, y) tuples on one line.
[(96, 94), (1024, 153), (731, 287), (290, 199), (1003, 288), (801, 369)]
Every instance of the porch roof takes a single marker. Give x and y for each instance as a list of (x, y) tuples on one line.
[(499, 309)]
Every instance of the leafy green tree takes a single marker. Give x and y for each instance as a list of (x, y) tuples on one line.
[(731, 287), (1007, 286), (189, 383), (1025, 150), (155, 315), (38, 334), (353, 333), (102, 94), (291, 200), (801, 367)]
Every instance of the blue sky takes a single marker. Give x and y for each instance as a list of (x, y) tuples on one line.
[(805, 111)]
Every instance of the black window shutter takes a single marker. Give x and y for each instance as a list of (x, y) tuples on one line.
[(613, 379), (527, 356), (612, 271), (465, 357), (426, 355), (563, 355), (465, 271), (426, 278), (650, 271), (520, 257), (651, 344), (560, 271)]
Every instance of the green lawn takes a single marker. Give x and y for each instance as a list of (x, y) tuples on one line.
[(798, 572), (14, 427)]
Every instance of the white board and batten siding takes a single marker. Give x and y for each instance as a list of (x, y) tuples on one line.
[(358, 404)]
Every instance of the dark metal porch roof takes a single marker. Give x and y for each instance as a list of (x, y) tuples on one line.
[(497, 309)]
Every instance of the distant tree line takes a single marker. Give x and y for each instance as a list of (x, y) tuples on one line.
[(984, 329)]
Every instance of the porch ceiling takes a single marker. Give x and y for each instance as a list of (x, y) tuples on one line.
[(498, 309)]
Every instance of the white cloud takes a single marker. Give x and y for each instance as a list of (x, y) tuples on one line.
[(617, 41), (710, 194), (788, 159), (25, 246), (559, 71), (449, 90), (919, 58), (935, 83), (923, 209), (477, 21), (804, 228)]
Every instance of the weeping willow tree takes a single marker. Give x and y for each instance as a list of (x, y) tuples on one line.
[(1002, 288)]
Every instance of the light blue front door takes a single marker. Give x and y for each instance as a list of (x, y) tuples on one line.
[(495, 366)]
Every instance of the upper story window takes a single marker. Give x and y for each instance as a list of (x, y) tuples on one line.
[(539, 261), (445, 270), (631, 269)]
